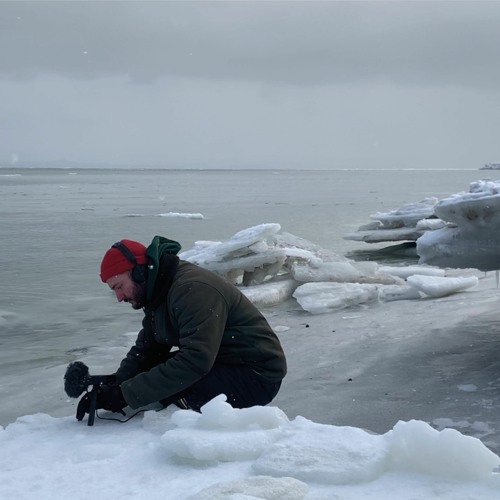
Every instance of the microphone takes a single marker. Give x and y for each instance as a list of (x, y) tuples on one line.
[(77, 379)]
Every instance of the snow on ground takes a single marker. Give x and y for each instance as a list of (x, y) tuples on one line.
[(225, 453)]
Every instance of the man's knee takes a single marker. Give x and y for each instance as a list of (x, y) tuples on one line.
[(241, 385)]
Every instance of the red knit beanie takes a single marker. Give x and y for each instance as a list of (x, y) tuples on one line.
[(116, 262)]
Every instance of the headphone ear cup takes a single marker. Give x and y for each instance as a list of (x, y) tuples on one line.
[(139, 273)]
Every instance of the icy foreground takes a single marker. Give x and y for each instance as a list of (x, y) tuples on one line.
[(224, 453)]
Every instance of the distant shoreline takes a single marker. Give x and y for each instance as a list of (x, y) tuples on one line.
[(193, 169)]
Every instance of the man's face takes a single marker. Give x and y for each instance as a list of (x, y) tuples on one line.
[(127, 290)]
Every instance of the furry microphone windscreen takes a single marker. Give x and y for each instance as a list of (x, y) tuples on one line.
[(76, 379)]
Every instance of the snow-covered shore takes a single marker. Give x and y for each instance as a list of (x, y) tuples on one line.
[(227, 454)]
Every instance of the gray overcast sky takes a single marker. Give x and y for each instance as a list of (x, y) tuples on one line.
[(251, 84)]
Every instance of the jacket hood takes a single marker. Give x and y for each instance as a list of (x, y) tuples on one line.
[(158, 247)]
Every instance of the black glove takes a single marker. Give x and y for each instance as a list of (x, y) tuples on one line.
[(110, 397), (83, 407)]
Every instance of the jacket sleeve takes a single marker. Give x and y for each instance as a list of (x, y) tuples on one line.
[(145, 354), (200, 314)]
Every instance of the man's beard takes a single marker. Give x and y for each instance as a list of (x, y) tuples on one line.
[(139, 296)]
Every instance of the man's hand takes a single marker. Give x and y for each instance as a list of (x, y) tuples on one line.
[(110, 398), (83, 406)]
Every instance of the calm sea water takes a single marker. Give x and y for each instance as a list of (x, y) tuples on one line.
[(56, 224)]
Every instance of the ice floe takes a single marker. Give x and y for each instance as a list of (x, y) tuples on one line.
[(460, 231), (271, 266)]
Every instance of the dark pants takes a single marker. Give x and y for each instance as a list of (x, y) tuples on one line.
[(242, 386)]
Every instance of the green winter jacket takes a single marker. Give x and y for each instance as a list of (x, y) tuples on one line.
[(208, 319)]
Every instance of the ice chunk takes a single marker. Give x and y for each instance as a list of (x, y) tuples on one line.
[(248, 263), (390, 293), (325, 454), (245, 257), (257, 488), (431, 224), (408, 214), (268, 294), (381, 234), (467, 387), (479, 207), (294, 243), (405, 271), (341, 272), (246, 238), (456, 247), (182, 215), (416, 447), (328, 271), (475, 240), (435, 286), (224, 433), (323, 297)]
